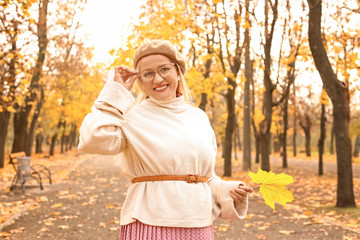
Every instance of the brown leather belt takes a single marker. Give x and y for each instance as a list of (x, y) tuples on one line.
[(189, 178)]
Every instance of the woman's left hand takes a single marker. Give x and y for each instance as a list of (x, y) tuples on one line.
[(240, 193)]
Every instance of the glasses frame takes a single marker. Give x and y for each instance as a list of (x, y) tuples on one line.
[(156, 71)]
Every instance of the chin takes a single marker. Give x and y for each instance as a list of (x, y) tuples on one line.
[(163, 97)]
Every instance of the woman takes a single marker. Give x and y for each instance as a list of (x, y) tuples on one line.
[(166, 146)]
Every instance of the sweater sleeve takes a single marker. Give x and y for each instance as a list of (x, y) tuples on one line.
[(100, 131), (223, 204)]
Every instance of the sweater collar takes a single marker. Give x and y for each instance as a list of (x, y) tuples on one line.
[(172, 104)]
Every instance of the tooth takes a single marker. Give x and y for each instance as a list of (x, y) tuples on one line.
[(160, 88)]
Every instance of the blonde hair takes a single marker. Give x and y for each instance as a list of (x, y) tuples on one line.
[(182, 88)]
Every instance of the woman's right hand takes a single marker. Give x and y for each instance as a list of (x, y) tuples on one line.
[(125, 76)]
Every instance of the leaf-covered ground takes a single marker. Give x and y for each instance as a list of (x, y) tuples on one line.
[(85, 202)]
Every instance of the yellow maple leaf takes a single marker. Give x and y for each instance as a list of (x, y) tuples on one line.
[(272, 187)]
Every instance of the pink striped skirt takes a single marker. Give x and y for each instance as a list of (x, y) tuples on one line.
[(138, 231)]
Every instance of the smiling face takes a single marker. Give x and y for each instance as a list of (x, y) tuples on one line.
[(160, 88)]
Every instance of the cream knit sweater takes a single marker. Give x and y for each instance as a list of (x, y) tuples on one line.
[(160, 138)]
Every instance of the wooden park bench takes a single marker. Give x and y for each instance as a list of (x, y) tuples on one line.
[(25, 171)]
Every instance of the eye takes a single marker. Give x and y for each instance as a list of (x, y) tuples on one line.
[(165, 69), (147, 74)]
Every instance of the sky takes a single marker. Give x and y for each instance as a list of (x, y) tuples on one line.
[(105, 23)]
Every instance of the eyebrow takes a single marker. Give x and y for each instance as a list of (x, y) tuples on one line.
[(156, 68)]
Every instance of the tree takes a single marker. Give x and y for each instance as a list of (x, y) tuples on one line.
[(247, 117), (229, 57), (265, 125), (339, 94), (322, 137), (23, 133), (13, 19), (306, 123)]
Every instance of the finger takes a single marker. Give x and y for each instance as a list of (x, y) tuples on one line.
[(126, 73), (249, 189), (237, 194), (236, 197), (240, 192), (118, 77), (246, 188), (130, 82)]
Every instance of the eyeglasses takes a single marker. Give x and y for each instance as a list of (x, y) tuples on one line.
[(164, 71)]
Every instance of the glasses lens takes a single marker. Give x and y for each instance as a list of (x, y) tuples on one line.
[(164, 71)]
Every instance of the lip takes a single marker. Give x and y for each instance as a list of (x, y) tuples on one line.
[(162, 87)]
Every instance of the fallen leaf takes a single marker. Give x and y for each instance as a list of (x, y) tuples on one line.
[(223, 228), (56, 205), (5, 234), (286, 232), (17, 230)]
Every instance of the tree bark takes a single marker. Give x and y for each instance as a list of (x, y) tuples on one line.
[(54, 138), (357, 146), (247, 117), (203, 101), (4, 122), (305, 124), (332, 140), (39, 140), (230, 126), (294, 124), (339, 95), (322, 140), (30, 137), (284, 134), (73, 136), (256, 132), (63, 138)]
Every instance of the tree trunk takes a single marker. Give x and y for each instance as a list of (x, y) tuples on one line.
[(305, 124), (332, 140), (307, 142), (322, 140), (30, 137), (247, 117), (72, 136), (39, 140), (265, 145), (294, 125), (53, 144), (357, 146), (256, 132), (20, 132), (4, 122), (284, 134), (230, 126), (54, 139), (339, 95), (235, 143), (257, 142), (63, 138)]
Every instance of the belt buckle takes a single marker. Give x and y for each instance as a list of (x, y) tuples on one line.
[(189, 180)]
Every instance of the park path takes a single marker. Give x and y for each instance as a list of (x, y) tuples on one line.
[(87, 204)]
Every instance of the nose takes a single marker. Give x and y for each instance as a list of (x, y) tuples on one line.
[(157, 78)]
